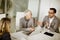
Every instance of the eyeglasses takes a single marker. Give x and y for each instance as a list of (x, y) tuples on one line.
[(50, 12)]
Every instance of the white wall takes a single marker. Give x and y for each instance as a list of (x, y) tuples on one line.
[(33, 6), (45, 5)]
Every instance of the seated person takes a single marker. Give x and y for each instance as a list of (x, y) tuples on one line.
[(26, 23), (4, 29), (51, 22)]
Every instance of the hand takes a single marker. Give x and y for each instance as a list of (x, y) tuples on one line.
[(46, 24), (39, 23), (31, 29)]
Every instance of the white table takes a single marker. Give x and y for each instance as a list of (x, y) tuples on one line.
[(18, 36), (37, 35)]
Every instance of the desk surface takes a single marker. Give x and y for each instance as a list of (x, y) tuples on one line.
[(18, 36), (36, 35), (43, 37)]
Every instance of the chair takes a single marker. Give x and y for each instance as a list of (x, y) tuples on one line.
[(19, 15)]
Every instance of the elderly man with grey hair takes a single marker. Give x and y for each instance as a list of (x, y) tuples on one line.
[(26, 23)]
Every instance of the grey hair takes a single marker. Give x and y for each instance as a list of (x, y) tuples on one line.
[(28, 11)]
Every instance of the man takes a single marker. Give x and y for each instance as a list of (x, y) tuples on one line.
[(51, 22), (26, 23)]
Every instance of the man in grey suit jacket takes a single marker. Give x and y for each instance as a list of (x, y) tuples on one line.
[(26, 23), (51, 22)]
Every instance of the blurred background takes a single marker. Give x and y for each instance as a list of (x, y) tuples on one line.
[(39, 9)]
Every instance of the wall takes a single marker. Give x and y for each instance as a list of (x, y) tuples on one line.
[(21, 5), (33, 6)]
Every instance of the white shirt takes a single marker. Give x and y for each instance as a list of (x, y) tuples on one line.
[(50, 21)]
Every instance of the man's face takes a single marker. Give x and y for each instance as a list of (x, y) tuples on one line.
[(51, 13), (28, 15)]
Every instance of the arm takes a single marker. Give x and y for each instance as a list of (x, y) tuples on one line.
[(22, 28), (55, 27), (32, 25), (43, 23), (21, 25)]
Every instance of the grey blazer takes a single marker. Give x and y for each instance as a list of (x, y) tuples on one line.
[(54, 25), (23, 24)]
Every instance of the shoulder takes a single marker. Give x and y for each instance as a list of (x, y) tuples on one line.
[(46, 17), (56, 19), (22, 18)]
